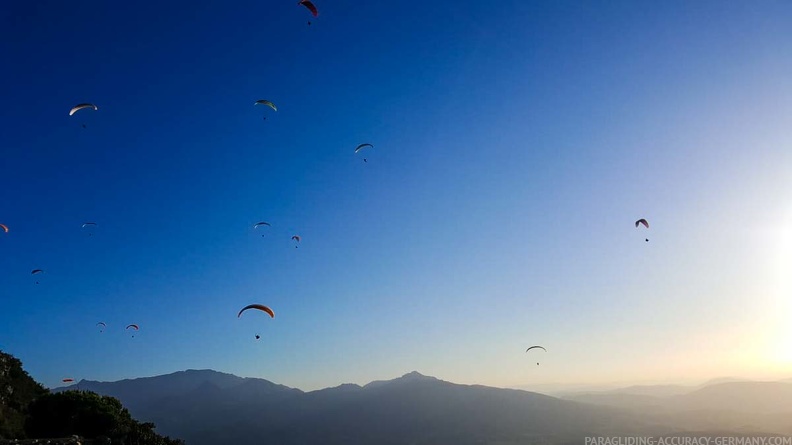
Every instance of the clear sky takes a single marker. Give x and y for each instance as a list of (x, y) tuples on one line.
[(515, 144)]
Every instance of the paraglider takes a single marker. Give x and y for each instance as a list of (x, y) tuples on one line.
[(4, 227), (645, 224), (68, 380), (310, 7), (536, 347), (296, 238), (89, 224), (36, 272), (262, 223), (361, 147), (267, 103), (133, 326), (79, 107), (259, 307), (102, 326)]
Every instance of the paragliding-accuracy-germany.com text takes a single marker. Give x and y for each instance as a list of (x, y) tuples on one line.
[(688, 440)]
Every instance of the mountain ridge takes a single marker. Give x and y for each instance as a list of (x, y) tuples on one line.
[(206, 407)]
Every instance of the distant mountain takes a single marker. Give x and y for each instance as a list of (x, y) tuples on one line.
[(141, 390), (619, 400), (737, 406), (720, 380), (641, 394), (636, 392), (654, 390), (749, 397), (207, 407), (648, 398)]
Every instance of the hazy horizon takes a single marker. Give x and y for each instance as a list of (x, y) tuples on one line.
[(549, 388)]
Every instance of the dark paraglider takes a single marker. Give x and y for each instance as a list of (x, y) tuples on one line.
[(643, 222), (311, 7)]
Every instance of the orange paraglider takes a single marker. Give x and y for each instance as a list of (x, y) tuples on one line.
[(260, 307)]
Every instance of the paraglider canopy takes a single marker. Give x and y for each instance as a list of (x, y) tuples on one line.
[(296, 238), (88, 224), (536, 347), (308, 4), (36, 272), (4, 227), (67, 380), (262, 223), (362, 146), (267, 103), (645, 224), (133, 326), (79, 107), (260, 307)]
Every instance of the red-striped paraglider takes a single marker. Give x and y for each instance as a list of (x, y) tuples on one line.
[(311, 7), (259, 307), (67, 380)]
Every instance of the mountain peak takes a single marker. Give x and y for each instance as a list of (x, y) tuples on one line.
[(415, 375)]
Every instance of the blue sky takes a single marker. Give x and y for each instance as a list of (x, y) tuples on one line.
[(515, 145)]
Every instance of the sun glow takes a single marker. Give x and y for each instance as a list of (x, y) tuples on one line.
[(783, 346)]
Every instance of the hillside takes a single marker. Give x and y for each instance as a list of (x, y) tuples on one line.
[(29, 411)]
